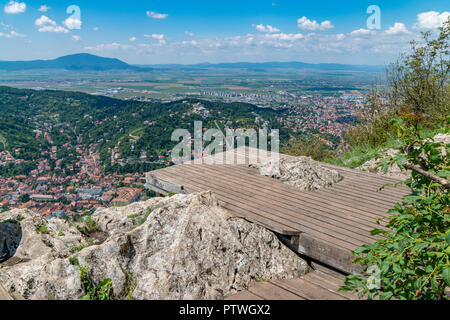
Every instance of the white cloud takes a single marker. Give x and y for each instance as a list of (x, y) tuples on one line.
[(44, 8), (155, 15), (155, 36), (267, 28), (95, 29), (108, 46), (72, 23), (340, 36), (14, 7), (132, 39), (46, 24), (362, 32), (306, 24), (76, 38), (397, 28), (189, 34), (285, 36), (432, 19), (12, 34)]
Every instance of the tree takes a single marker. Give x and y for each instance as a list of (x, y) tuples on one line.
[(411, 258), (418, 83), (310, 146)]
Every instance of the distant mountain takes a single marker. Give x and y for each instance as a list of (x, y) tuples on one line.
[(76, 62), (275, 65)]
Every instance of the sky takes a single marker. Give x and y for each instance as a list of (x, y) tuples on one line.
[(187, 32)]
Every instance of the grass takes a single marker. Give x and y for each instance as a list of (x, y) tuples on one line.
[(77, 249), (42, 228), (358, 155), (361, 154), (140, 221), (101, 292), (74, 261), (131, 285)]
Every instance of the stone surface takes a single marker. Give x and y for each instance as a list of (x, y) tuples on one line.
[(394, 171), (183, 247), (302, 173)]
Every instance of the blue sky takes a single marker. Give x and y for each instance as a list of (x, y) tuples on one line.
[(152, 32)]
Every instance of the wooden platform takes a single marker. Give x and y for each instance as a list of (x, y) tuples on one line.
[(4, 295), (316, 285), (325, 225)]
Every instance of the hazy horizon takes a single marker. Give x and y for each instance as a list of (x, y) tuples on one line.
[(193, 32)]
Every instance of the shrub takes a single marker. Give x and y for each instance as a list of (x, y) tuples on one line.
[(411, 260)]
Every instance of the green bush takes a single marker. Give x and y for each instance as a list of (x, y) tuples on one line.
[(411, 259)]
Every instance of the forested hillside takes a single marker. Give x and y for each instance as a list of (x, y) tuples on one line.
[(32, 122)]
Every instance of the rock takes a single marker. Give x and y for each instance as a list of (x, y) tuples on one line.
[(39, 268), (183, 247), (302, 173), (443, 138), (394, 171)]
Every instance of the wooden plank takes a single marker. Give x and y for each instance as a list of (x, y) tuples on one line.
[(324, 220), (308, 290), (329, 283), (269, 291), (4, 295), (285, 190), (244, 296), (337, 214), (328, 254), (303, 222)]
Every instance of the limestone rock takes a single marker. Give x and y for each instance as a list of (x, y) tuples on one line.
[(394, 171), (302, 173), (183, 247)]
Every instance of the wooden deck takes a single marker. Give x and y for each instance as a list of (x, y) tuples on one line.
[(4, 295), (325, 225), (317, 285)]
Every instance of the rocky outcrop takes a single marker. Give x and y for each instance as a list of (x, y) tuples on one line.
[(394, 171), (183, 247), (302, 173)]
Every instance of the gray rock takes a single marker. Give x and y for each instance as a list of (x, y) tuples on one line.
[(183, 247), (394, 171), (302, 173)]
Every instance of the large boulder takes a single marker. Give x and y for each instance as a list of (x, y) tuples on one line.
[(183, 247), (303, 173)]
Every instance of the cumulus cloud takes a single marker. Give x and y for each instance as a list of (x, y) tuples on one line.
[(340, 36), (285, 36), (46, 24), (72, 23), (132, 39), (305, 24), (107, 47), (267, 28), (155, 15), (397, 28), (362, 32), (432, 19), (189, 34), (14, 7), (76, 38), (95, 29), (155, 36), (44, 8), (12, 34)]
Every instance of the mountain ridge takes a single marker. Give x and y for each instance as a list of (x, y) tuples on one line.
[(89, 62), (74, 62)]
